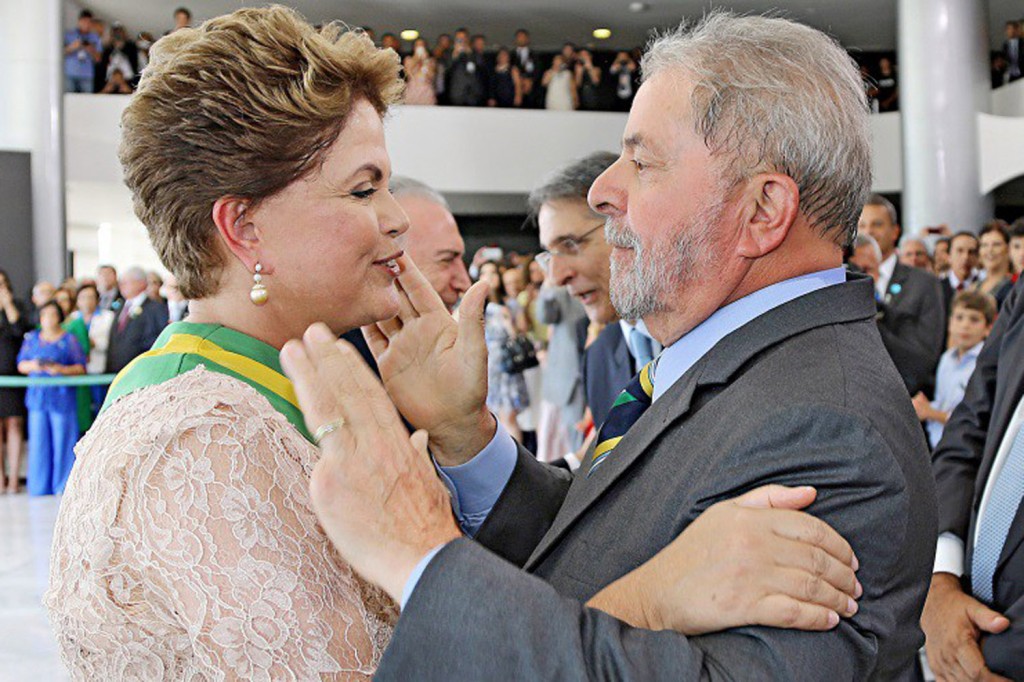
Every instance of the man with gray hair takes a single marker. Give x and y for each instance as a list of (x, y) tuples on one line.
[(745, 162), (139, 320), (433, 240)]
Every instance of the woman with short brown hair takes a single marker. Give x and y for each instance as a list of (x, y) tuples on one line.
[(186, 546)]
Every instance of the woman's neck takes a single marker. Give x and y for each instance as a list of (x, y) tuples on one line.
[(238, 313), (51, 334)]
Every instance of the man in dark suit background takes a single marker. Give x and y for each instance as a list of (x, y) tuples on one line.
[(577, 256), (524, 57), (911, 316), (138, 322), (773, 371), (963, 264), (974, 616), (1013, 51)]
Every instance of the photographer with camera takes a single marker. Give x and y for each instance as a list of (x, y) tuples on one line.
[(82, 51)]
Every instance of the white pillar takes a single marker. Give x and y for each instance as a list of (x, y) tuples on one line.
[(31, 117), (944, 83)]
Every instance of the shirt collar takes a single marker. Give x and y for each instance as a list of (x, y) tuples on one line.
[(885, 270), (136, 302), (639, 325), (955, 281), (971, 353), (684, 353)]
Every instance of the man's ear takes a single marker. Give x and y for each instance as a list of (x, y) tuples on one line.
[(233, 218), (772, 203)]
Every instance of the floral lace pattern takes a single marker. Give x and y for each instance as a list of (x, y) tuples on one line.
[(187, 548)]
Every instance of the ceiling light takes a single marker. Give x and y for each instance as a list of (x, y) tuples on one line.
[(638, 7), (410, 34), (602, 33)]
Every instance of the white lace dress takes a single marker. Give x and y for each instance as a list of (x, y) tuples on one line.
[(187, 548)]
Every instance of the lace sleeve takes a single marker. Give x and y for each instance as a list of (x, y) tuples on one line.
[(238, 556)]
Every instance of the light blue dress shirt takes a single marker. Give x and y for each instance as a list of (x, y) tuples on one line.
[(476, 485), (951, 379)]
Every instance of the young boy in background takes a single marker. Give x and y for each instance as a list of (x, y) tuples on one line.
[(969, 325)]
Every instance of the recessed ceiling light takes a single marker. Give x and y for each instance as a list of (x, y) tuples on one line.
[(638, 7), (602, 33), (410, 34)]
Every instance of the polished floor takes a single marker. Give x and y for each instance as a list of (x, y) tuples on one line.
[(27, 648)]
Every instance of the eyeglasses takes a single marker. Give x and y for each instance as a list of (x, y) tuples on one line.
[(567, 246)]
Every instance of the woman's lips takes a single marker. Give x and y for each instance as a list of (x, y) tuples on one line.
[(391, 264)]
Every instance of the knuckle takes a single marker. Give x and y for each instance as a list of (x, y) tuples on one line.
[(812, 589), (819, 561), (818, 532), (789, 614)]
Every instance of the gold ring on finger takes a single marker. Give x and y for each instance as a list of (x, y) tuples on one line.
[(327, 429)]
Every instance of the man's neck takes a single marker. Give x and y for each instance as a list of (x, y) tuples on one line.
[(671, 325)]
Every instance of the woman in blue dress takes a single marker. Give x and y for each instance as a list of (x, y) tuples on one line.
[(52, 410)]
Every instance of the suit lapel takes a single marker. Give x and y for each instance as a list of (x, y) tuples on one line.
[(585, 491), (621, 359), (853, 301), (1009, 391), (895, 292)]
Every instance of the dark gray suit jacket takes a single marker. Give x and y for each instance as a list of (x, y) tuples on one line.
[(138, 336), (607, 369), (963, 460), (804, 394), (912, 322)]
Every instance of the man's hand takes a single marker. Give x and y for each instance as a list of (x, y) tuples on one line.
[(435, 368), (922, 406), (374, 489), (752, 560), (953, 622)]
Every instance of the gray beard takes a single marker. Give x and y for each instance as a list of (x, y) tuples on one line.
[(647, 284)]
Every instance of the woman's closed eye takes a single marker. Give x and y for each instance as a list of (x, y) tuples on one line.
[(364, 193)]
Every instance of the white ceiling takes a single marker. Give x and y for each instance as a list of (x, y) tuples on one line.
[(864, 24)]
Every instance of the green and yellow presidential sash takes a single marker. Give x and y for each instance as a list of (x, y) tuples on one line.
[(185, 345)]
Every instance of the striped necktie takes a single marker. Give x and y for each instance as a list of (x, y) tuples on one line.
[(628, 408), (994, 526)]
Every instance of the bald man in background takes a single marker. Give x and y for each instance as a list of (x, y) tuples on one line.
[(434, 244)]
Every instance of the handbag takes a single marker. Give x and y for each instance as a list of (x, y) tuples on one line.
[(518, 355)]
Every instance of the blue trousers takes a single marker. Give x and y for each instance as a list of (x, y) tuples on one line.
[(51, 442)]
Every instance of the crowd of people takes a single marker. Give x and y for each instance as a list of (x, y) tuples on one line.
[(463, 69), (90, 326)]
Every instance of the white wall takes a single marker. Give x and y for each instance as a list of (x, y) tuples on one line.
[(1009, 99)]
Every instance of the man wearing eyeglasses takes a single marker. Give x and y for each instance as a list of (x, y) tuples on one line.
[(577, 257)]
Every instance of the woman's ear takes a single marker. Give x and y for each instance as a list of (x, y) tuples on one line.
[(772, 208), (232, 216)]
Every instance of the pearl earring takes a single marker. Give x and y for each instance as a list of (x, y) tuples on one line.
[(258, 294)]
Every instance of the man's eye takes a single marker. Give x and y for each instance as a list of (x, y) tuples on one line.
[(639, 165)]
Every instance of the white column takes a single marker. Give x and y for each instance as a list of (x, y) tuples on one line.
[(32, 82), (944, 83)]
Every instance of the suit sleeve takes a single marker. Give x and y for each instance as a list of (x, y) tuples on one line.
[(474, 616), (958, 456), (1003, 651), (526, 509)]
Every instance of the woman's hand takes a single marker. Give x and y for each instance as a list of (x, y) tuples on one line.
[(374, 489), (435, 368), (752, 560)]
